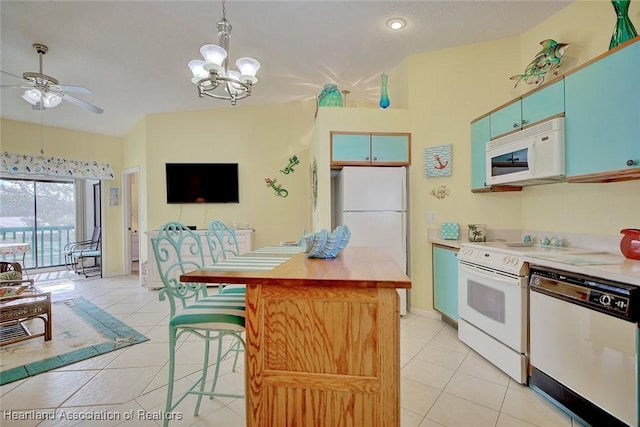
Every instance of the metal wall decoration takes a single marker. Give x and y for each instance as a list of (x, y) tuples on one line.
[(279, 191), (546, 62), (293, 161), (437, 161)]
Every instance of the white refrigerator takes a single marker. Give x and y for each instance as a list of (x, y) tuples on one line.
[(372, 202)]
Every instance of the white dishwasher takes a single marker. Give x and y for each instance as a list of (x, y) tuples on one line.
[(583, 345)]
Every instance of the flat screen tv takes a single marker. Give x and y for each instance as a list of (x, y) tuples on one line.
[(202, 183)]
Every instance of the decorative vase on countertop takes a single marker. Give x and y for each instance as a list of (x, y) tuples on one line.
[(624, 29), (384, 96), (630, 243)]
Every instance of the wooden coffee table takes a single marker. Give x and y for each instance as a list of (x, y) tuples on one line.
[(15, 310)]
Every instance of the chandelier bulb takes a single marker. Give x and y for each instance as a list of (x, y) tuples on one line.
[(213, 54), (197, 68)]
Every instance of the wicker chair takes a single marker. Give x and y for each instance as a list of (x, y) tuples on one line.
[(11, 274)]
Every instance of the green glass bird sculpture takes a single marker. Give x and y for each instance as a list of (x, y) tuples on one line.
[(546, 62)]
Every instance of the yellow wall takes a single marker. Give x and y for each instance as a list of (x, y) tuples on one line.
[(261, 140), (25, 138), (449, 89)]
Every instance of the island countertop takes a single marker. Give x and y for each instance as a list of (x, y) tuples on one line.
[(360, 267), (322, 336)]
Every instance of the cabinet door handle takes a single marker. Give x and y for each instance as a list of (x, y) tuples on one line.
[(631, 162), (366, 158), (375, 158), (515, 125), (524, 122)]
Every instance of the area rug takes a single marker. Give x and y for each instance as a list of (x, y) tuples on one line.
[(81, 330)]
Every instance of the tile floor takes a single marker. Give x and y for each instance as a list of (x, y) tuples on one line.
[(443, 382)]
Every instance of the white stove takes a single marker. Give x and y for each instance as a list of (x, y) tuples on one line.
[(493, 305)]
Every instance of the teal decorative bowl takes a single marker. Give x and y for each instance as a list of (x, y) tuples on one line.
[(327, 245)]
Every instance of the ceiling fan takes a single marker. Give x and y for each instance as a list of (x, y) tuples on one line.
[(43, 91)]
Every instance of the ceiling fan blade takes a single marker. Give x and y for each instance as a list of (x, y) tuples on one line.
[(81, 103), (17, 86), (14, 75), (75, 89)]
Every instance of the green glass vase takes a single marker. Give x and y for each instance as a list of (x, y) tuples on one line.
[(624, 29), (384, 96)]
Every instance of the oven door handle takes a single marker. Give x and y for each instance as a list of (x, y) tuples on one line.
[(508, 281)]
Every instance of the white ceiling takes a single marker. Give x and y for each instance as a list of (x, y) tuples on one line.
[(134, 54)]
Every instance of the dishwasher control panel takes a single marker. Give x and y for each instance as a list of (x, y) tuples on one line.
[(609, 301), (617, 299)]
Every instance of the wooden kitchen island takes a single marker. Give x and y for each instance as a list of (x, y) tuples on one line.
[(322, 337)]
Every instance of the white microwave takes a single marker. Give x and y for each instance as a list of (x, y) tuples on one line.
[(534, 155)]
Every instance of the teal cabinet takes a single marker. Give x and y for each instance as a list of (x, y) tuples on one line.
[(370, 149), (390, 148), (536, 106), (445, 281), (543, 104), (350, 147), (506, 119), (480, 135), (603, 114)]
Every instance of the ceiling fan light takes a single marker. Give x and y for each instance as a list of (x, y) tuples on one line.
[(32, 96), (248, 68), (51, 100)]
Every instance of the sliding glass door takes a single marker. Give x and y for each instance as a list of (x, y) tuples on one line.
[(39, 213)]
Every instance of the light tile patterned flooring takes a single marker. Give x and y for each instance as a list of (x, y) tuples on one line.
[(443, 382)]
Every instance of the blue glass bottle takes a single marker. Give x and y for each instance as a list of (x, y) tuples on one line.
[(384, 97)]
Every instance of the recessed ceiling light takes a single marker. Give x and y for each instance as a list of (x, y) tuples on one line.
[(396, 23)]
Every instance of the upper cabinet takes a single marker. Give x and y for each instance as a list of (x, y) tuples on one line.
[(370, 149), (536, 106), (601, 104), (480, 134), (603, 118)]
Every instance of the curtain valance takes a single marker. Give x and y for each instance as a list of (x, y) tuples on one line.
[(27, 164)]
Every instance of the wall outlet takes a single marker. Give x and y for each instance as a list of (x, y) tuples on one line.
[(431, 217)]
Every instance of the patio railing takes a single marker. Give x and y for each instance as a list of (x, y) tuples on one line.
[(47, 244)]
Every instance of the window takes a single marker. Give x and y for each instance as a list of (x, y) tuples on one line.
[(39, 212)]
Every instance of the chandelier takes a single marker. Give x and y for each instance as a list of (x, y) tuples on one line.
[(212, 76)]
